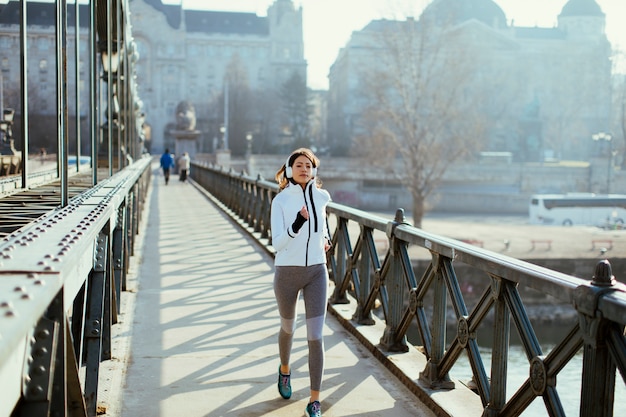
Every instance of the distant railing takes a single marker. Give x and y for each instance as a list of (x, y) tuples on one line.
[(61, 279), (364, 275)]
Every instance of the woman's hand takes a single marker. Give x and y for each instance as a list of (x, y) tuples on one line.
[(301, 218)]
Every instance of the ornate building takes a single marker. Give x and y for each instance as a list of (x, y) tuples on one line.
[(556, 81), (42, 68), (188, 55)]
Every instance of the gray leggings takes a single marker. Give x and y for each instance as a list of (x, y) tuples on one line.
[(313, 282)]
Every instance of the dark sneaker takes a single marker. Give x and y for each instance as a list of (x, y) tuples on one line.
[(313, 409), (284, 385)]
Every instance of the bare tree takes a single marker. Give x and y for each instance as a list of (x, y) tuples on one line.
[(296, 109), (422, 105), (240, 106)]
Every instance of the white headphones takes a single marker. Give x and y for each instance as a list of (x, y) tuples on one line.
[(289, 170)]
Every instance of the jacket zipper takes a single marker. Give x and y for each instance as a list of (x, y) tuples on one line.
[(308, 239)]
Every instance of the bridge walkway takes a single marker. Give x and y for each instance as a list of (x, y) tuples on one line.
[(202, 340)]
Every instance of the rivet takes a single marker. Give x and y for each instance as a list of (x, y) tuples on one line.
[(39, 370), (41, 351), (43, 334)]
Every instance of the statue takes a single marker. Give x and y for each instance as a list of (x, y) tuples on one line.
[(185, 133), (185, 116)]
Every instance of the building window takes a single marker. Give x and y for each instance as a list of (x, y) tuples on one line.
[(43, 65)]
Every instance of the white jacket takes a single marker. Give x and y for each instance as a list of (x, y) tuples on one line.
[(307, 246)]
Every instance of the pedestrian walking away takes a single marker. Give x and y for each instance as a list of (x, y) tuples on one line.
[(167, 163), (301, 238), (184, 163)]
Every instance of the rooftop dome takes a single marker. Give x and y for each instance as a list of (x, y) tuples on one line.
[(581, 8), (453, 12)]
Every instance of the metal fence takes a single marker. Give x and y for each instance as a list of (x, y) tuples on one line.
[(366, 276), (64, 254), (61, 279)]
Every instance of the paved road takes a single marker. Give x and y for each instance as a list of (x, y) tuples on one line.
[(202, 339), (513, 236)]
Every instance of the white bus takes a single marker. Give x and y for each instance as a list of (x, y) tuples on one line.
[(607, 211)]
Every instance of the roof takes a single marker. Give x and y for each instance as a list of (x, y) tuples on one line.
[(453, 12), (212, 21), (226, 22), (42, 14), (581, 8)]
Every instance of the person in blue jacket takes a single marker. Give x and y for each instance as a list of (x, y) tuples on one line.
[(301, 238), (167, 163)]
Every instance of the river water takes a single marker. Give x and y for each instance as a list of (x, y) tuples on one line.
[(568, 382)]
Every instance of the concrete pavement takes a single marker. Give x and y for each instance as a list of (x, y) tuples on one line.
[(198, 335)]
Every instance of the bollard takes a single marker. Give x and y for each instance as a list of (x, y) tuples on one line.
[(598, 374)]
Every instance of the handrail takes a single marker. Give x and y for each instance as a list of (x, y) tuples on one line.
[(359, 275), (61, 279)]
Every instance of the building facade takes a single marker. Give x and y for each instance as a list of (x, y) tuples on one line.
[(556, 82), (189, 54), (42, 70)]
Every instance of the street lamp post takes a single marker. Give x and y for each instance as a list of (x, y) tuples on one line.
[(249, 144), (606, 138), (222, 144)]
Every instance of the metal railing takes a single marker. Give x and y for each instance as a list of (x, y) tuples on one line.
[(61, 279), (368, 277)]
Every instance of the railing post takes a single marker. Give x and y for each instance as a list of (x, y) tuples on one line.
[(343, 253), (362, 315), (500, 352), (430, 375), (95, 318), (396, 289), (598, 373)]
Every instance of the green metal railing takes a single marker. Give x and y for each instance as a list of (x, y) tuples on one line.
[(364, 276)]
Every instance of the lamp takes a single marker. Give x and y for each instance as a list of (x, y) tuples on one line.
[(249, 143), (6, 124), (110, 64), (223, 134), (607, 138), (8, 115)]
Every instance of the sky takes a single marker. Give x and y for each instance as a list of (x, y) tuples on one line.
[(328, 24)]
